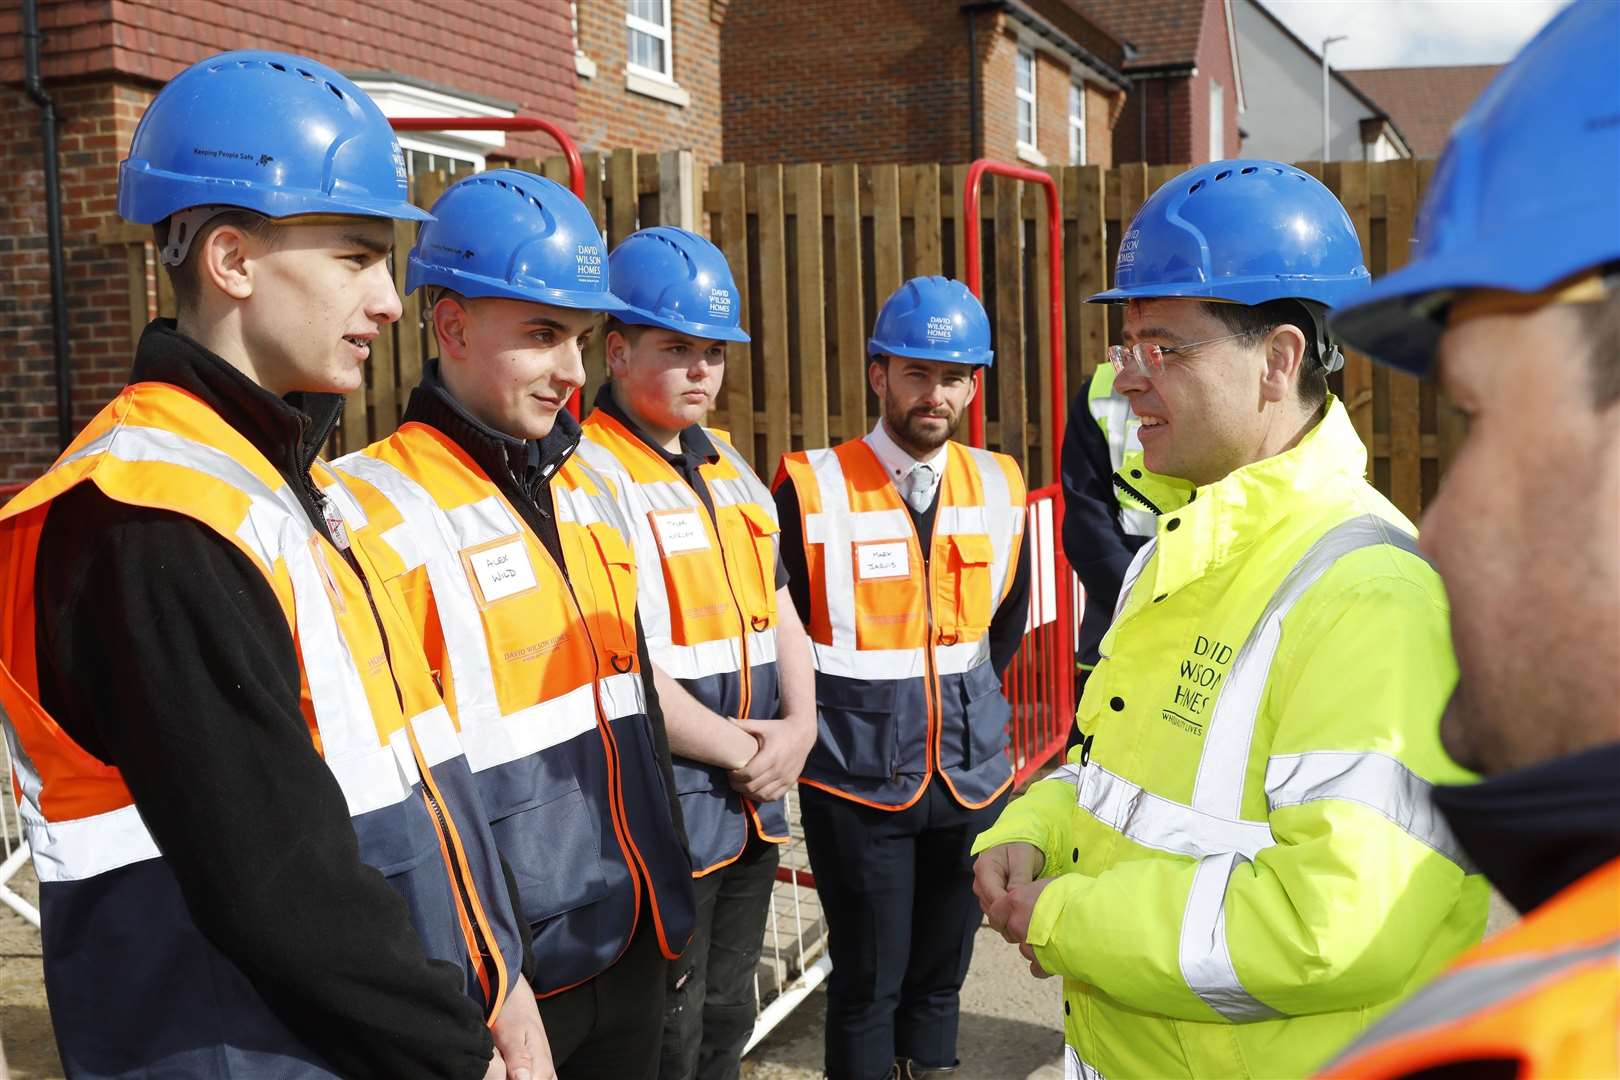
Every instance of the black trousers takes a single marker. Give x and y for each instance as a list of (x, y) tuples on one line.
[(897, 887), (607, 1028), (710, 1006)]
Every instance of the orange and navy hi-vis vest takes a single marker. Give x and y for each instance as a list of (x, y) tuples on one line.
[(904, 685), (372, 711), (709, 617), (1544, 995), (540, 667)]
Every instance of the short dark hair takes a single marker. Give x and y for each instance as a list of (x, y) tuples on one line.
[(1261, 319), (183, 276), (631, 331), (1600, 325)]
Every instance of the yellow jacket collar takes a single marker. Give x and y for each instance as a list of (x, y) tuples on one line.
[(1221, 519)]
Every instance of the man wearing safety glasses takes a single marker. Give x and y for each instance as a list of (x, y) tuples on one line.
[(1240, 866)]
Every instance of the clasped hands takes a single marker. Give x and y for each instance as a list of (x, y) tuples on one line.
[(1005, 884), (782, 745)]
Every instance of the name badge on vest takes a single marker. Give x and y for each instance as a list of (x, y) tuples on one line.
[(680, 531), (500, 568), (889, 559)]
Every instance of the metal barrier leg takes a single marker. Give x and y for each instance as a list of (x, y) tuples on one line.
[(13, 863)]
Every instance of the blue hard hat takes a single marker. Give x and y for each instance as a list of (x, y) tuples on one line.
[(265, 131), (677, 280), (933, 318), (1526, 194), (516, 235), (1247, 232)]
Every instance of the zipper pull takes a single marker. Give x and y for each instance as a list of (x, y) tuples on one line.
[(335, 524)]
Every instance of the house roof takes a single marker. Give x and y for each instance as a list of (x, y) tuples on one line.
[(1164, 32), (1424, 102)]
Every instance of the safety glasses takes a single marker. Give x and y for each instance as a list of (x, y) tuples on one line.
[(1149, 359)]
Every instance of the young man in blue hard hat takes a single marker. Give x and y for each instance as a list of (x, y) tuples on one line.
[(729, 653), (258, 848), (907, 560), (1240, 862), (1512, 300), (509, 556)]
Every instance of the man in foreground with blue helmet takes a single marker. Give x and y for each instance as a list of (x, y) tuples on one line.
[(730, 657), (1239, 866), (258, 847), (511, 559), (907, 560), (1512, 300)]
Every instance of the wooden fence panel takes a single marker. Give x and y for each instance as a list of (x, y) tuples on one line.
[(886, 257), (1405, 437), (811, 297), (850, 304), (771, 333), (730, 188), (926, 256)]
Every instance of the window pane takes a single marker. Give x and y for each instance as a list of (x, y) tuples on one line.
[(1026, 122), (650, 10), (647, 51), (1026, 71), (1076, 104)]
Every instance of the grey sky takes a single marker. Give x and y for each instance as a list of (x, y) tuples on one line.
[(1416, 33)]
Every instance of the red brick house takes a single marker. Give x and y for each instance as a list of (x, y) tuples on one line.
[(103, 60), (1035, 81), (1186, 81)]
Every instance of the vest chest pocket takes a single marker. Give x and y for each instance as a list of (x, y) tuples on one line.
[(612, 574), (859, 733), (754, 565), (963, 602), (700, 608)]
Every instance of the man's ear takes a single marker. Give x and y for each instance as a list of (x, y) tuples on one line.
[(1284, 357), (877, 376), (225, 261), (616, 352), (450, 323)]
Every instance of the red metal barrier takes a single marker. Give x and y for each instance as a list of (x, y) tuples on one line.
[(576, 165), (1039, 683), (975, 281), (8, 490)]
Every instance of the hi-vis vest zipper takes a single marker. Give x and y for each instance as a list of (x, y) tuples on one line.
[(379, 725), (539, 667), (709, 617), (904, 685)]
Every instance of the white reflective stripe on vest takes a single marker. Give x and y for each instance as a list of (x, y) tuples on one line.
[(1156, 822), (1075, 1067), (1004, 522), (1206, 961), (889, 665), (1372, 779), (1139, 563), (622, 695), (719, 657)]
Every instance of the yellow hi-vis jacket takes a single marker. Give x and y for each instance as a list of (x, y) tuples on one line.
[(1249, 867)]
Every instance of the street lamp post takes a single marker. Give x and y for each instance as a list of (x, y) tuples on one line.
[(1325, 135)]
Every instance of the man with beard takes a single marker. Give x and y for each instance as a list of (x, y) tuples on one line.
[(906, 559), (1524, 336)]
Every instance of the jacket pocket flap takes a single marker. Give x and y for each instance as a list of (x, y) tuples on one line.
[(972, 548)]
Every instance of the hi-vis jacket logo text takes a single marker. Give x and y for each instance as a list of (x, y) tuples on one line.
[(1198, 681)]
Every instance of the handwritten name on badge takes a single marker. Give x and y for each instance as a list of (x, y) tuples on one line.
[(680, 531), (890, 559), (501, 570)]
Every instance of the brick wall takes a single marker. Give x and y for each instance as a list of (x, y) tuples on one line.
[(96, 122), (847, 80), (1177, 107), (103, 60), (516, 51), (1214, 64), (610, 115)]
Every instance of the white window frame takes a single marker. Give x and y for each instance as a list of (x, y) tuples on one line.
[(1028, 149), (664, 33), (1077, 122), (650, 82), (1217, 121), (405, 99), (584, 66)]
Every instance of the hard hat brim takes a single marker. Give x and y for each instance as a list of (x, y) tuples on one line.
[(987, 358), (147, 196), (710, 331), (476, 286)]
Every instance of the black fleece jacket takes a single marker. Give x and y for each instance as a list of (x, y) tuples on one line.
[(522, 469), (163, 652)]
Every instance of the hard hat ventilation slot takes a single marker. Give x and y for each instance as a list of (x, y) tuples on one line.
[(1223, 174), (335, 91), (278, 67), (1250, 170), (1196, 188)]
